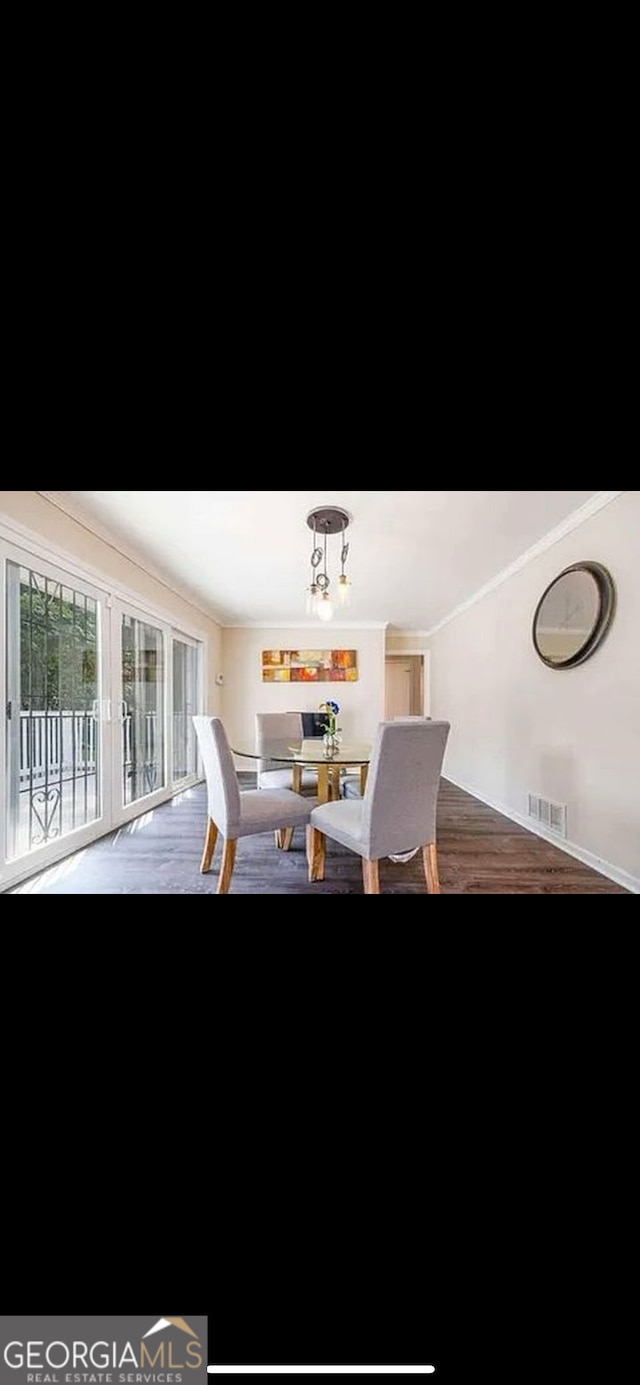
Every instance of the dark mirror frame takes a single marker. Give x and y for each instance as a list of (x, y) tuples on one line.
[(602, 623)]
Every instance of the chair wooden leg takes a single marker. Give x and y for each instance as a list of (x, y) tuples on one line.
[(287, 838), (316, 853), (371, 876), (430, 859), (209, 847), (228, 862), (278, 838)]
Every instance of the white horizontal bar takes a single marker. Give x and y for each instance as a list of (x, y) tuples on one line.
[(321, 1370)]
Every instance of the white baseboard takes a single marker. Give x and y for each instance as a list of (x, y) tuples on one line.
[(620, 877)]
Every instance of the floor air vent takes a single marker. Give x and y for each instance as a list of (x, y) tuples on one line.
[(551, 815)]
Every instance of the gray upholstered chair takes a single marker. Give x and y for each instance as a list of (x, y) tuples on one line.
[(240, 813), (398, 809), (350, 783), (282, 726)]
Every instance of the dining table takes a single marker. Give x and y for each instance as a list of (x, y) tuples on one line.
[(311, 753)]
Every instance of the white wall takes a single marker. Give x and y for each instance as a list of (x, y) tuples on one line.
[(572, 736), (406, 641), (45, 519), (244, 693)]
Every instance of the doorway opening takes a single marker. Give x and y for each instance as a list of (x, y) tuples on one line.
[(406, 686)]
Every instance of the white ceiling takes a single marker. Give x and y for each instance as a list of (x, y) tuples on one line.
[(415, 555)]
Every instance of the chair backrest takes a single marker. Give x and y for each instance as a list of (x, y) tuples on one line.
[(401, 795), (222, 781), (276, 726)]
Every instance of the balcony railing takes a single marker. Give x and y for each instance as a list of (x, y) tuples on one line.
[(57, 786), (56, 745)]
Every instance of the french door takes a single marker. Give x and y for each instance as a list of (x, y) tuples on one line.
[(140, 746), (187, 700), (157, 671), (53, 751), (98, 698)]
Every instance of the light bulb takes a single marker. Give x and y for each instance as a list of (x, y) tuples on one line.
[(344, 589), (324, 608), (313, 592)]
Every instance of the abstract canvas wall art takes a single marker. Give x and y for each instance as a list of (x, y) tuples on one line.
[(309, 666)]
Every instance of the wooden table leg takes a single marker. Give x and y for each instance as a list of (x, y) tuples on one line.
[(334, 782), (323, 783)]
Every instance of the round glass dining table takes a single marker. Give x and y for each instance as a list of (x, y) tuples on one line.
[(311, 754)]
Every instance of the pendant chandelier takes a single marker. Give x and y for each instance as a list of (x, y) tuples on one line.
[(326, 520)]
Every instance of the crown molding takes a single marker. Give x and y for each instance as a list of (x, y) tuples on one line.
[(573, 521), (577, 517), (35, 542), (94, 526), (100, 531), (306, 625)]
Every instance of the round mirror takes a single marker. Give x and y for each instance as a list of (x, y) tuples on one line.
[(573, 615)]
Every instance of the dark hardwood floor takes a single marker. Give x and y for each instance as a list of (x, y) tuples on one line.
[(480, 852)]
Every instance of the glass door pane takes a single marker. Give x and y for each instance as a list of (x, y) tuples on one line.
[(142, 709), (185, 704), (53, 681)]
